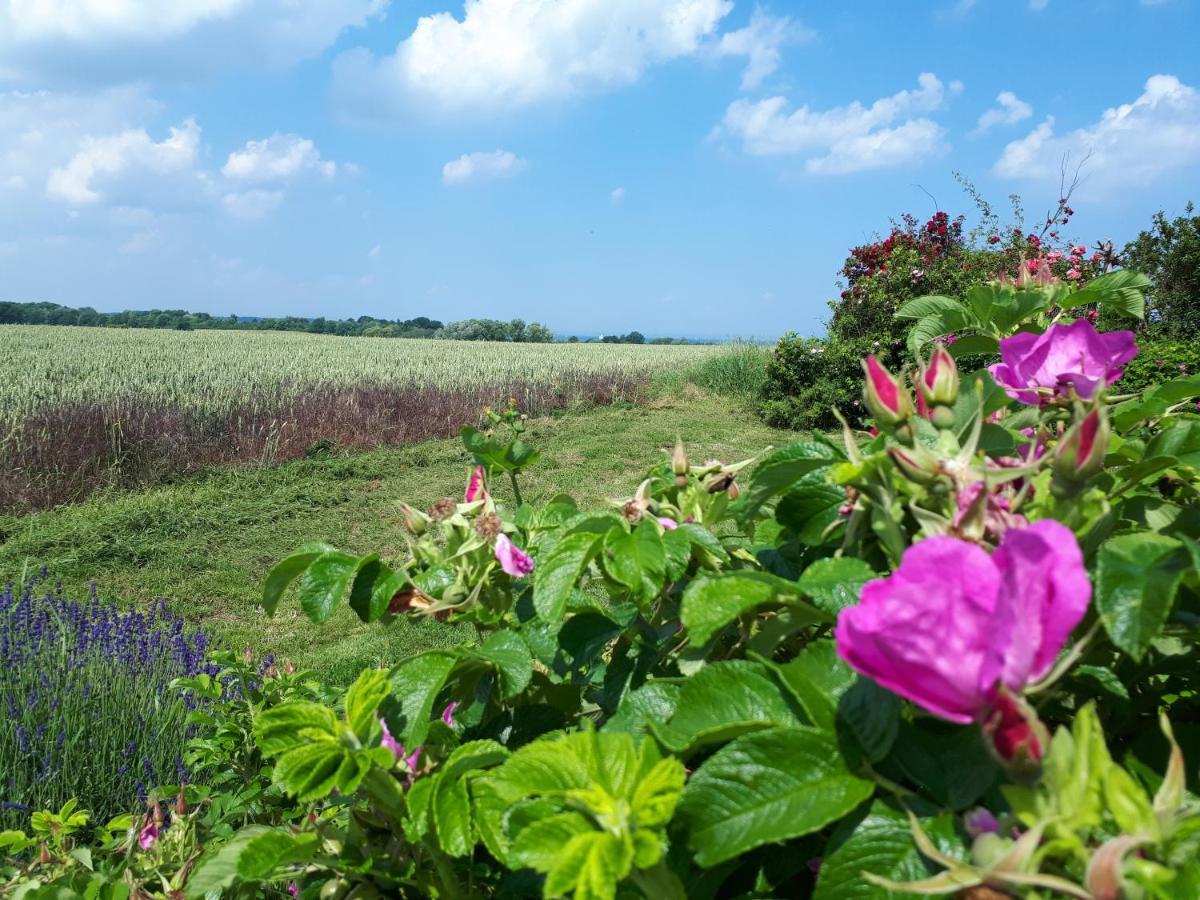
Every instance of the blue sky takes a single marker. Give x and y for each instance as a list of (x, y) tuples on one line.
[(688, 167)]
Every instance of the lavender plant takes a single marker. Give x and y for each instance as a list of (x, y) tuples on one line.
[(88, 714)]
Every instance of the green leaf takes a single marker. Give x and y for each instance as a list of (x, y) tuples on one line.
[(818, 679), (974, 345), (251, 854), (363, 698), (777, 473), (325, 582), (374, 587), (472, 756), (1180, 443), (589, 866), (810, 508), (1136, 581), (558, 571), (312, 771), (290, 725), (949, 761), (514, 664), (703, 540), (724, 700), (452, 816), (870, 716), (881, 843), (416, 682), (653, 702), (538, 846), (835, 583), (286, 571), (711, 603), (636, 559), (947, 321), (677, 548), (765, 788), (1122, 293), (928, 305)]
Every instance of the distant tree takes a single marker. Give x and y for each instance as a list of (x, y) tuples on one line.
[(573, 340), (635, 337), (537, 333), (1169, 253)]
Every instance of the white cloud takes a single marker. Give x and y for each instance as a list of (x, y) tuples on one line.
[(141, 242), (1009, 110), (118, 40), (277, 158), (104, 158), (1038, 5), (889, 132), (252, 204), (1132, 144), (482, 166), (760, 43), (374, 252), (504, 54), (617, 195)]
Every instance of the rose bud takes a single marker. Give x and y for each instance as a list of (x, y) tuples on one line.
[(1016, 736), (1080, 454), (939, 378), (916, 463), (414, 520), (885, 395), (679, 461)]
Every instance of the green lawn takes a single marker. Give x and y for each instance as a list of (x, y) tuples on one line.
[(207, 542)]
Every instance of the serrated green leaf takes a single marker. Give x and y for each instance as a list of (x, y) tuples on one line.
[(416, 683), (312, 771), (835, 583), (781, 469), (818, 679), (590, 866), (325, 582), (653, 702), (1136, 581), (928, 305), (636, 558), (677, 548), (704, 541), (558, 571), (869, 715), (538, 846), (375, 584), (288, 570), (452, 816), (511, 657), (289, 725), (724, 700), (880, 843), (363, 698), (765, 788), (810, 509), (711, 603)]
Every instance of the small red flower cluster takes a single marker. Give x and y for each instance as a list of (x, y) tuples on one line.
[(936, 237)]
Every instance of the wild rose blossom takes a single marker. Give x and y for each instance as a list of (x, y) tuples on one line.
[(1035, 366), (448, 713), (148, 836), (410, 760), (667, 524), (952, 626), (513, 560)]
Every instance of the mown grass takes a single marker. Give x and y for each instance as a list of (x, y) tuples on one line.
[(207, 541)]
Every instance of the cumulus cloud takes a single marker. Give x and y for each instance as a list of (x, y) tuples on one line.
[(113, 156), (277, 158), (252, 204), (504, 54), (760, 42), (1132, 144), (890, 132), (103, 40), (480, 166), (1009, 110)]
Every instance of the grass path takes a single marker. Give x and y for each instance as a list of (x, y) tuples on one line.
[(207, 542)]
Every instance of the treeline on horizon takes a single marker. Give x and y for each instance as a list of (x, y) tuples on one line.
[(515, 330)]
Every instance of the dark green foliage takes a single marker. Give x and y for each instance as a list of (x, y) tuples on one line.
[(1169, 252), (1158, 361), (807, 378)]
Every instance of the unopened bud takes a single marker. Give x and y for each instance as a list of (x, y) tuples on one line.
[(1104, 872), (938, 381), (884, 394), (1080, 453), (679, 461), (181, 806), (476, 486), (414, 520), (1016, 737), (718, 481), (733, 490), (916, 463)]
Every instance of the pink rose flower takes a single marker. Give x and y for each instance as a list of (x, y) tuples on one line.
[(667, 524), (148, 836), (476, 486), (1074, 274), (410, 760), (513, 560), (953, 626), (448, 713), (1034, 367)]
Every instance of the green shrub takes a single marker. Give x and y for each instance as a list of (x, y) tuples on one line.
[(1158, 361), (807, 377)]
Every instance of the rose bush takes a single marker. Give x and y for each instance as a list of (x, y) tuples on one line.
[(892, 661)]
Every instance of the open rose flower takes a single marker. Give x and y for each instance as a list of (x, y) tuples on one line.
[(953, 628), (513, 560), (1035, 367)]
